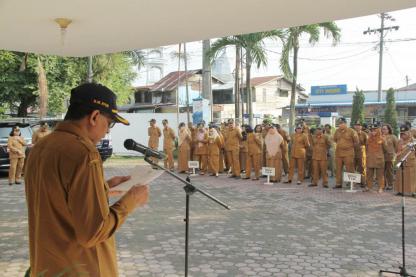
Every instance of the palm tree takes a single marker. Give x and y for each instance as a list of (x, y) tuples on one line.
[(255, 49), (291, 43)]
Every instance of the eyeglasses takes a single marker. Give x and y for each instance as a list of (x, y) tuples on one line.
[(110, 121)]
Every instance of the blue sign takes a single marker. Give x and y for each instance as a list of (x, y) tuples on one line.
[(329, 90)]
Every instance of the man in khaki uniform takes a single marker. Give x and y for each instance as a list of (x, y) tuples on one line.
[(232, 147), (300, 144), (285, 148), (168, 144), (346, 140), (376, 146), (154, 134), (71, 225), (321, 145), (360, 153), (43, 131)]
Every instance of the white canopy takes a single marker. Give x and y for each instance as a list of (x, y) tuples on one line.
[(106, 26)]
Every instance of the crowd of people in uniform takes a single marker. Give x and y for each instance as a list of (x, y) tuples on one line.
[(241, 152)]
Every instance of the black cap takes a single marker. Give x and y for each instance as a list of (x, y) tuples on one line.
[(97, 97), (404, 128), (342, 120), (319, 127), (357, 123)]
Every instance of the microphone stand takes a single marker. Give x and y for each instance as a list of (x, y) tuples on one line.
[(403, 271), (189, 190)]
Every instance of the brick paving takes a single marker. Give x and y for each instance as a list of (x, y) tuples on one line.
[(279, 230)]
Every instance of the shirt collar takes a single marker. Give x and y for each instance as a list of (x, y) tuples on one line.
[(72, 128)]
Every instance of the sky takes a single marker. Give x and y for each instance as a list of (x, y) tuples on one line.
[(353, 61)]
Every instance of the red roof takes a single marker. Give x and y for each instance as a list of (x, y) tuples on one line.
[(170, 81)]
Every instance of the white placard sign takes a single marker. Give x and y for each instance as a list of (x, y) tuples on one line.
[(352, 178), (268, 171), (194, 165)]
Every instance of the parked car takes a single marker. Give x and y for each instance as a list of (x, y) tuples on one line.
[(105, 147), (5, 128)]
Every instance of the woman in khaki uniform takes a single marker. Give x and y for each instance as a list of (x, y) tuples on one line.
[(285, 148), (376, 146), (154, 134), (214, 148), (300, 143), (321, 145), (184, 145), (243, 149), (254, 144), (201, 149), (273, 142), (360, 153), (16, 155), (390, 155), (409, 172), (168, 144)]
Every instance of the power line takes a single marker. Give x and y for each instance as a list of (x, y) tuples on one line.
[(383, 17), (328, 59)]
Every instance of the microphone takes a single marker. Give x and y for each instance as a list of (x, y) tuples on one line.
[(411, 144), (130, 144)]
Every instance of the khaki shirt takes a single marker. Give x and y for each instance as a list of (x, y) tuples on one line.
[(376, 149), (391, 144), (201, 147), (71, 225), (39, 134), (154, 134), (168, 138), (300, 143), (214, 146), (16, 147), (321, 145), (286, 140), (232, 139), (359, 149), (346, 141), (254, 143)]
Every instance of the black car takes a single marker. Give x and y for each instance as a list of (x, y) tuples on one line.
[(5, 129), (105, 147)]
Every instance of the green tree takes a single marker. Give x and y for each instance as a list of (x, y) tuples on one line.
[(390, 113), (19, 86), (291, 44), (357, 113), (254, 45)]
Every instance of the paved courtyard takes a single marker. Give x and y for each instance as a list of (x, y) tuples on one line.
[(279, 230)]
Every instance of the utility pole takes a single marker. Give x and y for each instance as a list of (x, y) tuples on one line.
[(90, 73), (407, 80), (206, 76), (383, 16)]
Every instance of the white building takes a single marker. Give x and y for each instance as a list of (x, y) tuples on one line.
[(270, 94)]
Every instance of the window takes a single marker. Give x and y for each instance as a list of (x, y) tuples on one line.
[(264, 95), (284, 93)]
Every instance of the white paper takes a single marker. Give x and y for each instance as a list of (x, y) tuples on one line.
[(140, 175)]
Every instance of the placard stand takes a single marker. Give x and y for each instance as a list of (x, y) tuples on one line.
[(268, 171)]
